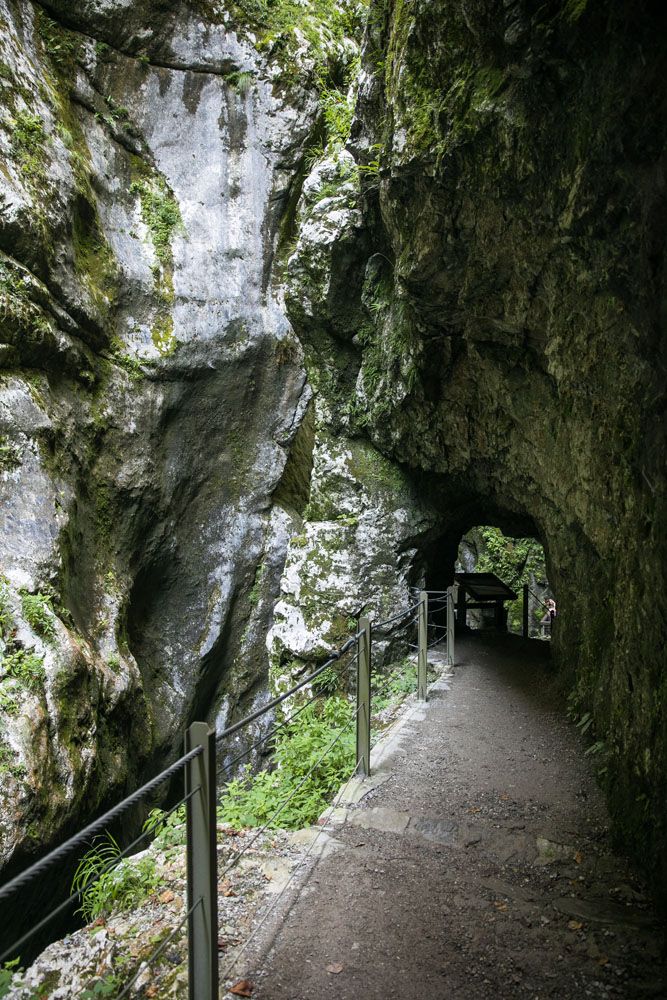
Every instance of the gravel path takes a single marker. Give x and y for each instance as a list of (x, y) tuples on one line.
[(479, 867)]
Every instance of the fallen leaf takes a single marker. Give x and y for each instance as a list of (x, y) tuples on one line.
[(578, 857), (151, 991), (166, 896), (499, 905), (334, 968), (226, 889), (575, 925), (243, 988), (475, 809)]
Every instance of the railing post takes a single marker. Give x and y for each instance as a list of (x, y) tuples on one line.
[(202, 865), (450, 626), (525, 611), (364, 697), (422, 645)]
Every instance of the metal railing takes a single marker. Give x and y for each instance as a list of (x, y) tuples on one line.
[(200, 777)]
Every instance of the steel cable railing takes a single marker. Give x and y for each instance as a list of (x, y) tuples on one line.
[(77, 896), (227, 765), (279, 699), (198, 766), (153, 957), (269, 822), (80, 838)]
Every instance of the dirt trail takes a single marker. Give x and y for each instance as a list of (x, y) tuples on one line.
[(481, 867)]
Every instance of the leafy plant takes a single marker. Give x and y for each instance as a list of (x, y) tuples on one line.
[(25, 666), (63, 46), (108, 986), (252, 800), (160, 213), (169, 830), (39, 614), (107, 885), (395, 686), (240, 80), (7, 973)]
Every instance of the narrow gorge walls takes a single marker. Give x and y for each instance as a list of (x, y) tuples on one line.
[(255, 364)]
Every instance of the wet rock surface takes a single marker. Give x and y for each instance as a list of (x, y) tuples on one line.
[(481, 866)]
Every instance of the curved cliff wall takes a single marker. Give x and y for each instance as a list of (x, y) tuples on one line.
[(151, 386), (495, 312)]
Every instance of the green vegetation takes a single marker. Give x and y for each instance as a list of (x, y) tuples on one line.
[(113, 663), (23, 322), (64, 47), (39, 614), (160, 213), (254, 799), (7, 973), (240, 80), (27, 140), (394, 687), (515, 560), (169, 830), (574, 9), (10, 454), (6, 617), (8, 763), (106, 888), (337, 108), (24, 666), (256, 591)]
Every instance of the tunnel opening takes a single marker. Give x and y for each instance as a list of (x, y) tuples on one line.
[(476, 550)]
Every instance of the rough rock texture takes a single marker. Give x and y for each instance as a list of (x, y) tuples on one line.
[(151, 386), (496, 321), (479, 298)]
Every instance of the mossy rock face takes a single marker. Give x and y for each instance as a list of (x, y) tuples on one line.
[(353, 555), (511, 321), (151, 388)]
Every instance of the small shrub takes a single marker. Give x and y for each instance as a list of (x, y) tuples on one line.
[(27, 140), (25, 666), (254, 799), (106, 888), (169, 830), (39, 614), (160, 213)]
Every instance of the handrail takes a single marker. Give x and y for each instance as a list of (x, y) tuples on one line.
[(288, 694), (200, 781), (96, 826)]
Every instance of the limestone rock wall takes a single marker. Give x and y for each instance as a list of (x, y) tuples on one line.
[(150, 384)]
